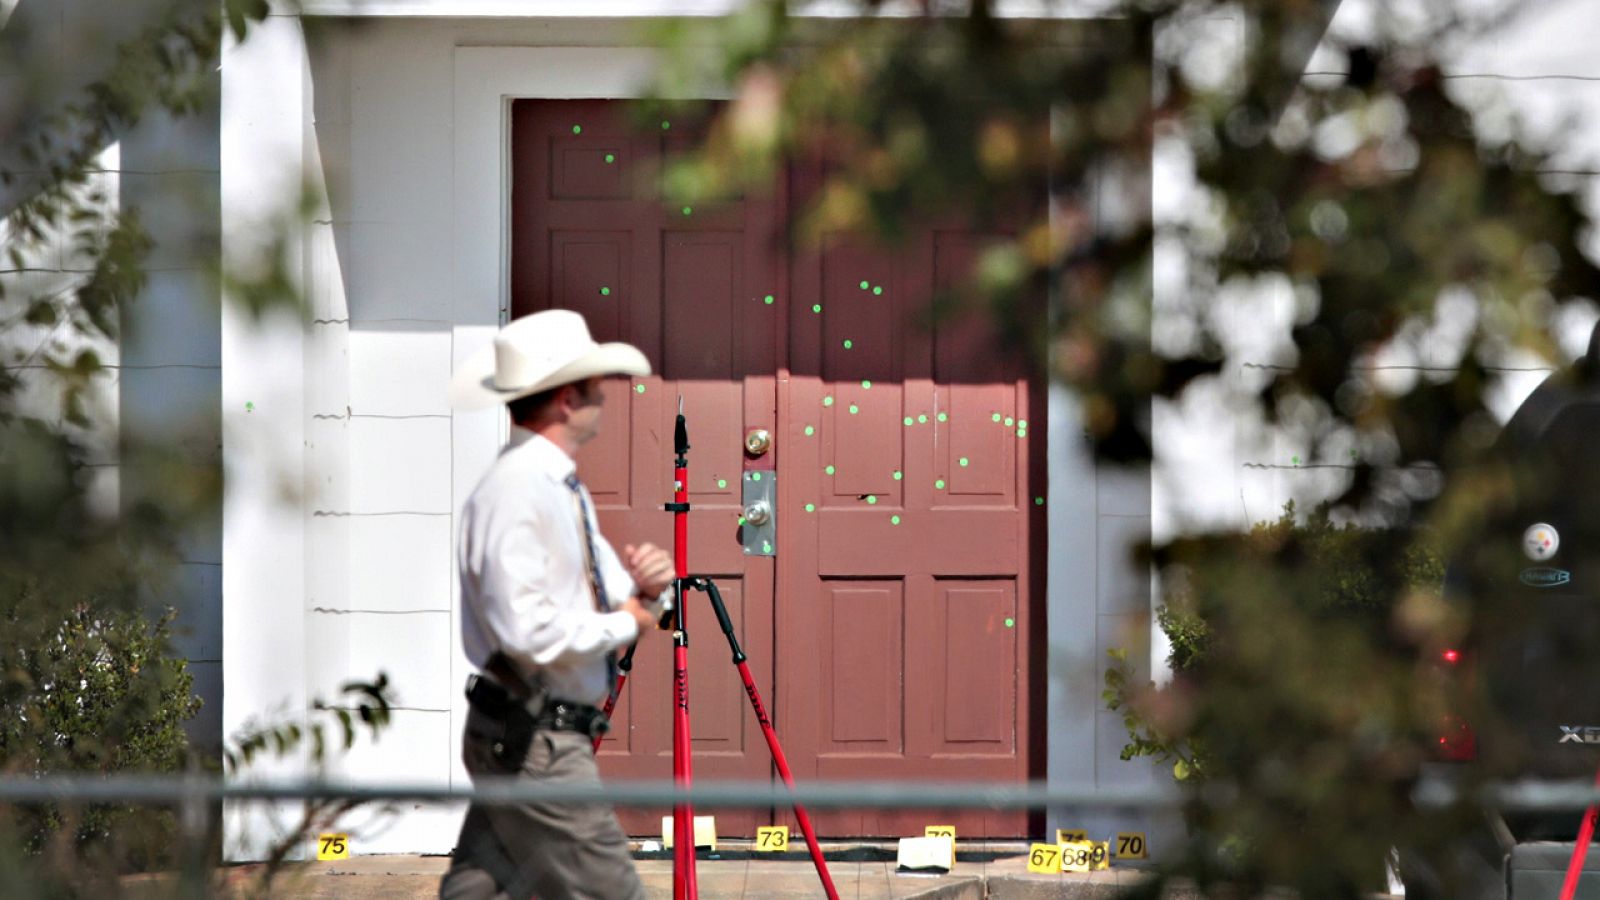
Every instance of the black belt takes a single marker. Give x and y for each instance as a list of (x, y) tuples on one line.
[(556, 715)]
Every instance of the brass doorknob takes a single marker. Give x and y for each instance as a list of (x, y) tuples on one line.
[(758, 442)]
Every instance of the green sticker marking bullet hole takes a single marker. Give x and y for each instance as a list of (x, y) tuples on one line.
[(922, 419), (605, 292), (687, 210), (866, 385), (611, 158), (665, 124), (909, 420), (944, 417), (766, 546), (828, 400), (577, 129), (741, 520), (964, 461), (1022, 432), (1022, 423), (755, 476), (848, 343), (768, 299), (810, 431), (854, 409), (872, 499), (1038, 501), (865, 285), (829, 470), (722, 482), (939, 485), (894, 520), (1010, 622), (877, 289), (249, 407), (898, 475), (995, 417), (811, 507), (639, 388), (1010, 421), (1296, 460), (816, 307)]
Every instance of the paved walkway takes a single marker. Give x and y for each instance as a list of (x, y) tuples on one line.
[(746, 876)]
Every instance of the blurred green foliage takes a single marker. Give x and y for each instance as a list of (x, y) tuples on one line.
[(96, 692), (89, 679), (1346, 575), (1303, 682), (1346, 256)]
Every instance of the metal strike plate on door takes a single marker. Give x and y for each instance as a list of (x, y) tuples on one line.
[(759, 533)]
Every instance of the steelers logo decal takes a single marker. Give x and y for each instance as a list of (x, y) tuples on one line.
[(1540, 542)]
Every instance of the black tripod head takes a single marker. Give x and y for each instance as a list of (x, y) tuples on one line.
[(680, 433)]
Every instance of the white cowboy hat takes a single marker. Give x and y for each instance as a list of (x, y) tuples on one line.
[(538, 352)]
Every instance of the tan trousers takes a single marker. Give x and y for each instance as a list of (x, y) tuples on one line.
[(552, 851)]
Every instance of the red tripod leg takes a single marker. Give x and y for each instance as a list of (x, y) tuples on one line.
[(684, 882), (782, 763), (771, 734), (1580, 849), (624, 666)]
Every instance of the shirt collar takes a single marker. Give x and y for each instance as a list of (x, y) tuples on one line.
[(541, 452)]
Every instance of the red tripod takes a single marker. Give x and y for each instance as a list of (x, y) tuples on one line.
[(684, 883)]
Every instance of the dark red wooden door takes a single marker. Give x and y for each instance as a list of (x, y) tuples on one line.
[(888, 634), (588, 235), (905, 590)]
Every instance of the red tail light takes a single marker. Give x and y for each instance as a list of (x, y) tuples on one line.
[(1456, 740)]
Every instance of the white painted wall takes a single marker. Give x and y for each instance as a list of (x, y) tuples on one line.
[(265, 415)]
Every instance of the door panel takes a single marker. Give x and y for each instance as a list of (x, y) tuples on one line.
[(689, 291)]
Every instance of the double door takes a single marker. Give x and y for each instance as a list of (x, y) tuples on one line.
[(888, 629)]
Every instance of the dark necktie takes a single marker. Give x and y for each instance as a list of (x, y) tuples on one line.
[(596, 583)]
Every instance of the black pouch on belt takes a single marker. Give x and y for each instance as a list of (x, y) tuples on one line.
[(512, 748), (516, 714)]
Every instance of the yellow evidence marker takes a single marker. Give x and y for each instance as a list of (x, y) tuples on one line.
[(772, 838), (705, 832), (333, 846), (1131, 845), (1071, 834), (1044, 859), (1084, 856), (948, 831)]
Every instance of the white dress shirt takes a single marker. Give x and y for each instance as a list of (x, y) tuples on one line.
[(524, 579)]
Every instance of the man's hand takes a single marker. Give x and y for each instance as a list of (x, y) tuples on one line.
[(646, 620), (650, 567)]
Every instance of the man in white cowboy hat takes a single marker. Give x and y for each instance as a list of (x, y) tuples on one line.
[(545, 605)]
